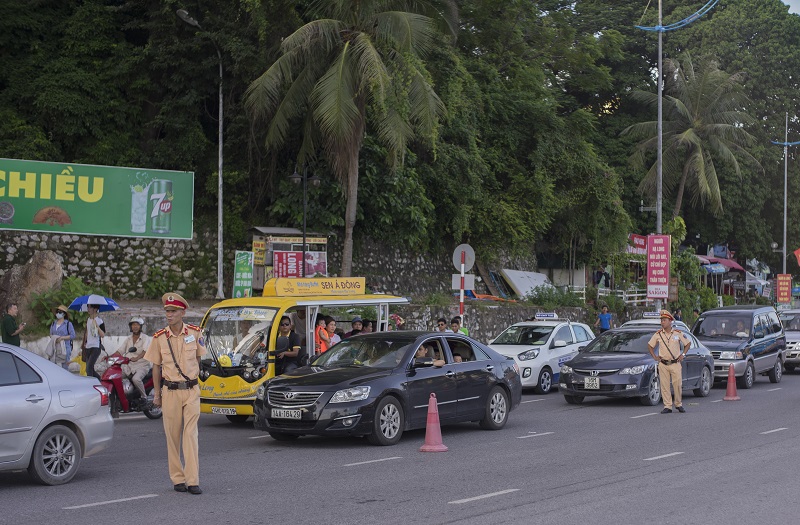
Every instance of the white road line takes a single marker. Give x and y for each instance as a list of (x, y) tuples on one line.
[(531, 400), (645, 415), (717, 400), (533, 435), (483, 496), (373, 461), (664, 456), (110, 502), (771, 431), (125, 417), (260, 437), (773, 389)]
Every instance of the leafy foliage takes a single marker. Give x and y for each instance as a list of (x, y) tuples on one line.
[(43, 305)]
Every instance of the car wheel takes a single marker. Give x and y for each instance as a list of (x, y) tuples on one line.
[(776, 373), (497, 408), (789, 368), (704, 388), (280, 436), (238, 420), (389, 422), (56, 456), (749, 377), (653, 393), (573, 400), (545, 383)]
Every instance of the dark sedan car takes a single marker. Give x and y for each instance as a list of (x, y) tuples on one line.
[(378, 385), (618, 364)]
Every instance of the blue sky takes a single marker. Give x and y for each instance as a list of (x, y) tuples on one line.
[(794, 5)]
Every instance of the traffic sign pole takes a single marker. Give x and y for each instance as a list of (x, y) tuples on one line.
[(461, 297)]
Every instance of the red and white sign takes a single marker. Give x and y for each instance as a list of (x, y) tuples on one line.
[(286, 264), (783, 290), (639, 243), (658, 256)]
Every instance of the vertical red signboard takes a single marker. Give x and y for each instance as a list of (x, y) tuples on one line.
[(784, 288), (286, 264), (658, 253)]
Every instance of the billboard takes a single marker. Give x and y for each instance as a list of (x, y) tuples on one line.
[(84, 199), (243, 275), (783, 290), (658, 254)]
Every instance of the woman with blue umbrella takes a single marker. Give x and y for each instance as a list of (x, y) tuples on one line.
[(95, 327)]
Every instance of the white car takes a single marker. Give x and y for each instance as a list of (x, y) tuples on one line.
[(540, 348), (791, 327), (636, 323)]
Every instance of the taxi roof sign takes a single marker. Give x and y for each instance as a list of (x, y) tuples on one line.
[(545, 316), (651, 315), (288, 287)]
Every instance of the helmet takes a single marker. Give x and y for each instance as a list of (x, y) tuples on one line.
[(225, 360), (135, 319)]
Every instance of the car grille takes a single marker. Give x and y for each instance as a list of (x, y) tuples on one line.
[(291, 423), (298, 399), (599, 373)]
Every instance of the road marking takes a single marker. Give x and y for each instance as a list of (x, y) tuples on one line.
[(260, 437), (664, 456), (483, 496), (373, 461), (124, 417), (531, 400), (773, 389), (645, 415), (533, 435), (717, 400), (771, 431), (110, 502)]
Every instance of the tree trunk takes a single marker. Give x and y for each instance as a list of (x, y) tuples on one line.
[(681, 186), (351, 191)]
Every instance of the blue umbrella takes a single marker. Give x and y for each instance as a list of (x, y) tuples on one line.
[(103, 303)]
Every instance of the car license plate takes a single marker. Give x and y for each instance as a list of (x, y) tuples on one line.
[(223, 411), (280, 413), (591, 383)]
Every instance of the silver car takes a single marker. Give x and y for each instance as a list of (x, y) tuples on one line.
[(791, 325), (50, 419)]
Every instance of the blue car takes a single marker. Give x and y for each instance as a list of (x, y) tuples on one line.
[(618, 364)]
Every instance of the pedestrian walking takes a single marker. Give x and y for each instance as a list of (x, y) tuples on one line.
[(63, 331), (175, 352), (672, 347), (603, 319)]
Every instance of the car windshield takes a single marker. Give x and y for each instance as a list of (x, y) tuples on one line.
[(524, 335), (628, 342), (723, 326), (377, 352), (791, 321), (241, 333)]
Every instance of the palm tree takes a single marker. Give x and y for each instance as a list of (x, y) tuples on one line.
[(704, 119), (358, 62)]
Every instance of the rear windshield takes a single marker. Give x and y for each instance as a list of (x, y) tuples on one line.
[(723, 325), (628, 342), (791, 321)]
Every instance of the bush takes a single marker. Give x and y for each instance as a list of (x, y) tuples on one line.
[(549, 297), (71, 287)]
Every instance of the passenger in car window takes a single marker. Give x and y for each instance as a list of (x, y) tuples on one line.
[(457, 358)]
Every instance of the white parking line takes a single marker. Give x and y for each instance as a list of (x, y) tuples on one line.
[(645, 415), (534, 434), (483, 496), (531, 400), (664, 456), (99, 503), (771, 431), (773, 389), (373, 461)]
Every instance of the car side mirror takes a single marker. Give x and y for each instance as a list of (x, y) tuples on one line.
[(422, 362), (559, 344), (758, 333), (580, 348)]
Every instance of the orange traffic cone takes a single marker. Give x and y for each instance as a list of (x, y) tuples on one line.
[(730, 394), (433, 432)]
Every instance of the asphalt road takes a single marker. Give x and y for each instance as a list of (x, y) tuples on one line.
[(606, 461)]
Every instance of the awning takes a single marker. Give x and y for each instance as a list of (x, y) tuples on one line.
[(714, 268), (703, 260), (730, 264)]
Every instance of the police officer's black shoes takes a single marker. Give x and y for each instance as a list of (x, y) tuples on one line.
[(667, 411), (195, 489), (680, 409), (180, 487)]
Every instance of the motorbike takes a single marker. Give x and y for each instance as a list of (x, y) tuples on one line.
[(123, 395)]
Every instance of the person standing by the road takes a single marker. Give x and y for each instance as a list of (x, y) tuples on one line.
[(441, 325), (603, 319), (63, 329), (9, 329), (175, 352), (672, 347), (93, 339)]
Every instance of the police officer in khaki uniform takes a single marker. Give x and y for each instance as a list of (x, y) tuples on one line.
[(175, 352), (672, 347)]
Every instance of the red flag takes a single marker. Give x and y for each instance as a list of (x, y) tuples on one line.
[(797, 254)]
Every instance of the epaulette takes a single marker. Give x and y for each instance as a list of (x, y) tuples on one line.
[(193, 327), (162, 331)]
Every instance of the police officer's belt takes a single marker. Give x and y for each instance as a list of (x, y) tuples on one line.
[(179, 385), (669, 361)]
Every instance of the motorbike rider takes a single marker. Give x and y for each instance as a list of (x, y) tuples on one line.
[(133, 347)]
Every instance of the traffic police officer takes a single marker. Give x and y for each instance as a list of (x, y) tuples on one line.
[(672, 347), (175, 352)]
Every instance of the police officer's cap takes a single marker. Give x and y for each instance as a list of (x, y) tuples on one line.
[(666, 314), (173, 300)]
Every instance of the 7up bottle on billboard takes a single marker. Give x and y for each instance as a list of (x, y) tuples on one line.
[(161, 216)]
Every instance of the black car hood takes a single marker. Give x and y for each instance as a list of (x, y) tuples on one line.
[(722, 345), (609, 360), (316, 377)]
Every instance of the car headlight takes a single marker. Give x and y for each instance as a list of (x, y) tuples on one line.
[(530, 354), (357, 393), (730, 355), (633, 370), (566, 369), (260, 392)]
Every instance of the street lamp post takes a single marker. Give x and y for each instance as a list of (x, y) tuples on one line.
[(785, 145), (315, 181), (184, 15)]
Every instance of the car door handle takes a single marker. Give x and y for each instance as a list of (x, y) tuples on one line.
[(449, 373), (33, 398), (489, 367)]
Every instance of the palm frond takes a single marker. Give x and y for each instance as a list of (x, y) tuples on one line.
[(263, 94), (372, 73), (293, 104), (405, 32), (426, 106), (333, 98), (317, 36)]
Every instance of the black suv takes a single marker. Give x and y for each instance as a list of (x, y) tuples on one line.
[(750, 337)]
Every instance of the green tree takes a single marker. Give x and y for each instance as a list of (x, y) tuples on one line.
[(703, 120), (355, 68)]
